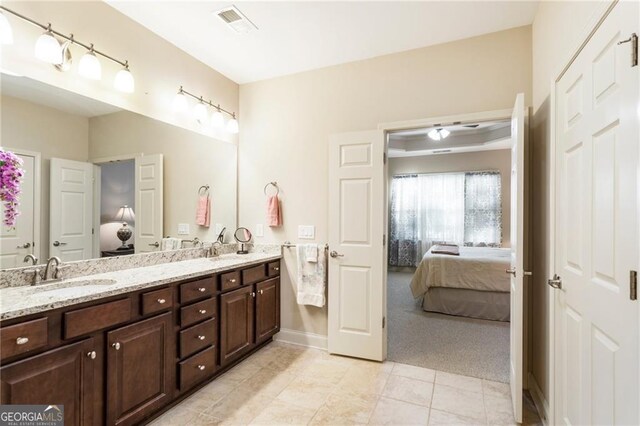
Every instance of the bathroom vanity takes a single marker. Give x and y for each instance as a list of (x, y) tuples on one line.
[(118, 348)]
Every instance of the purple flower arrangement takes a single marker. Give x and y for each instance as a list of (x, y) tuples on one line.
[(11, 174)]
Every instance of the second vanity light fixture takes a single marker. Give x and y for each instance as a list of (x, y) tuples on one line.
[(201, 111), (49, 49)]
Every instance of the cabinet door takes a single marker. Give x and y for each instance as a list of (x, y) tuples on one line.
[(267, 309), (62, 376), (236, 323), (139, 369)]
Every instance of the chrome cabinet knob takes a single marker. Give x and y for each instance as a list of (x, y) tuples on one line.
[(161, 301), (201, 367), (261, 291), (202, 289), (201, 337), (276, 269), (58, 244), (202, 311), (335, 254), (253, 294), (116, 346), (91, 354), (22, 340), (232, 280)]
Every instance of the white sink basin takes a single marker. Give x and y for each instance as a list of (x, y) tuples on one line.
[(73, 287)]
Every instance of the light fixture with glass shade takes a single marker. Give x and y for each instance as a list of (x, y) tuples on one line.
[(125, 214), (89, 66), (6, 32), (48, 48), (438, 134), (217, 119), (180, 103), (200, 111), (232, 125), (124, 80)]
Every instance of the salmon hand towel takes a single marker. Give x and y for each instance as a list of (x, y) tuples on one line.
[(274, 215), (203, 213)]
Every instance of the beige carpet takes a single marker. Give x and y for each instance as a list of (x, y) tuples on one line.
[(467, 346)]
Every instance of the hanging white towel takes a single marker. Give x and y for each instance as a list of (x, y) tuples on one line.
[(311, 253), (170, 244), (311, 276)]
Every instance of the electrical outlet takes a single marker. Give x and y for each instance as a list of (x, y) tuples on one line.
[(259, 230), (306, 232), (183, 229)]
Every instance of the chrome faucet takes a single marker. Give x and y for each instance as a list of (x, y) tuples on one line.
[(32, 258), (57, 261)]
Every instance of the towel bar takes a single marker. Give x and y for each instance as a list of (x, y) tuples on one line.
[(287, 244)]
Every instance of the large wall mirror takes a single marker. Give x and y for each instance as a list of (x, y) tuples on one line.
[(100, 181)]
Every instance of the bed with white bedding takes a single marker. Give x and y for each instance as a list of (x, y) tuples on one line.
[(473, 284)]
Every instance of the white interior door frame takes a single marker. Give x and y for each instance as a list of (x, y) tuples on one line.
[(37, 190), (592, 25)]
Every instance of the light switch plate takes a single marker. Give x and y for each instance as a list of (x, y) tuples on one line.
[(306, 232), (183, 229), (259, 230)]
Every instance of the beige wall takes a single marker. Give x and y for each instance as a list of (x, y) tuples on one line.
[(158, 67), (557, 31), (499, 160), (286, 123), (190, 161), (50, 132)]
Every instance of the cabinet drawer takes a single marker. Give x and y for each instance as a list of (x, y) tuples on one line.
[(198, 337), (273, 269), (197, 368), (195, 290), (230, 281), (20, 338), (253, 275), (197, 312), (93, 318), (156, 301)]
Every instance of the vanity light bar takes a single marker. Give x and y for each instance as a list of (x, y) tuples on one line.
[(200, 99), (70, 37)]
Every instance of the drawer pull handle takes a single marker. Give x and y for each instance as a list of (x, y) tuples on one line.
[(201, 367), (116, 346), (232, 280), (22, 340), (91, 354), (202, 289), (201, 337), (161, 301), (202, 311)]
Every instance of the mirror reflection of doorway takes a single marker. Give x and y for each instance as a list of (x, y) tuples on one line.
[(117, 208)]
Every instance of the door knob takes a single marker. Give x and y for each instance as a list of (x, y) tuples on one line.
[(24, 246), (58, 244), (555, 282), (156, 244), (511, 271), (335, 254), (116, 346)]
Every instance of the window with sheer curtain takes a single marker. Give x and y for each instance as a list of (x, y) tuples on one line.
[(460, 208)]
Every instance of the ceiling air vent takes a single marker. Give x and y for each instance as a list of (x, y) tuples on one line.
[(236, 20), (440, 151), (471, 126)]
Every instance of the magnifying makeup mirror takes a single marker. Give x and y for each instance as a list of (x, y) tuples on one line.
[(243, 236)]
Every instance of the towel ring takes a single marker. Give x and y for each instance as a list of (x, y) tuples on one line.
[(274, 184), (206, 190)]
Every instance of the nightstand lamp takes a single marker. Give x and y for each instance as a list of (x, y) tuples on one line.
[(124, 215)]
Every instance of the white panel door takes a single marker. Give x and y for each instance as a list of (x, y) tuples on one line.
[(149, 195), (517, 255), (18, 241), (356, 261), (596, 322), (71, 210)]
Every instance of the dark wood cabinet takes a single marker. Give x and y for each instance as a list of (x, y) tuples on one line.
[(62, 376), (267, 309), (139, 372), (236, 323)]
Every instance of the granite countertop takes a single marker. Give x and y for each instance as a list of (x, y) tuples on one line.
[(26, 300)]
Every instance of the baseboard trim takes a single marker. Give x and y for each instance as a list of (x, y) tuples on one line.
[(539, 400), (301, 338)]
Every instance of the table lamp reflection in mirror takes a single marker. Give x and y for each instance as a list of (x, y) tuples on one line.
[(125, 214)]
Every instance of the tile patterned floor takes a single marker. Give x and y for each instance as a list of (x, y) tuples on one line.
[(286, 384)]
